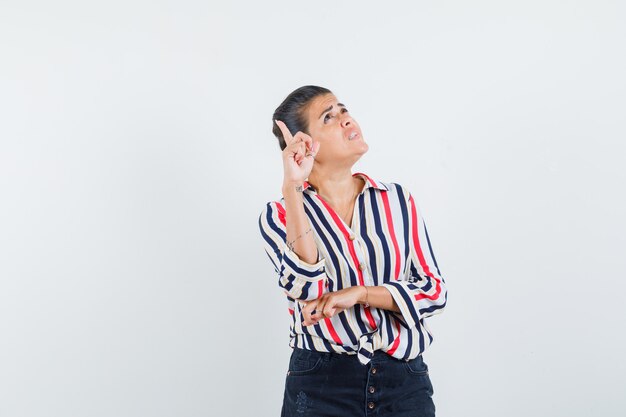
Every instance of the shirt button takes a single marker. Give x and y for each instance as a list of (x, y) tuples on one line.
[(362, 266), (351, 237), (370, 405), (373, 370), (372, 389)]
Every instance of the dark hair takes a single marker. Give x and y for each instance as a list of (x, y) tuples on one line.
[(292, 111)]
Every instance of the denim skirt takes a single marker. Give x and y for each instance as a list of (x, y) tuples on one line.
[(332, 384)]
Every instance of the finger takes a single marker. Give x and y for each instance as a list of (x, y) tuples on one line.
[(306, 311), (300, 152), (286, 133), (329, 309), (313, 311), (314, 150), (294, 146), (301, 136), (308, 307), (319, 309)]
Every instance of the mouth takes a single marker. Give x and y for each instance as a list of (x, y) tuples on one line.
[(354, 135)]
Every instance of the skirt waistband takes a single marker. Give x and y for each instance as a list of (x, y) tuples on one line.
[(378, 357)]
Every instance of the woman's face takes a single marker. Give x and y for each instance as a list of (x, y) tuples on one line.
[(339, 134)]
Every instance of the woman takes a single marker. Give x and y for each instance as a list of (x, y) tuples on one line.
[(353, 256)]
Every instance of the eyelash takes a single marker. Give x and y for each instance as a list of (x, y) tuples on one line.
[(343, 110)]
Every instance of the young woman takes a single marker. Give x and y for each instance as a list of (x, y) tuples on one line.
[(354, 259)]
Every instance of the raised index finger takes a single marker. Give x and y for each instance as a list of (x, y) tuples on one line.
[(286, 133)]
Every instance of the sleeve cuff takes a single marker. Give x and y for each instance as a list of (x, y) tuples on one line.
[(302, 269), (302, 280), (405, 300)]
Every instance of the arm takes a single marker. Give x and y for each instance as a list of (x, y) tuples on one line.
[(297, 226), (286, 230), (334, 302), (301, 280), (424, 293)]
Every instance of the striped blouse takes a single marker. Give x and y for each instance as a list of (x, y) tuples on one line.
[(387, 244)]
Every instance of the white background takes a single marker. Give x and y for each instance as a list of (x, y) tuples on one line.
[(136, 155)]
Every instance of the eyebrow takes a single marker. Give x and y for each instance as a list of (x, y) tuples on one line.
[(330, 108)]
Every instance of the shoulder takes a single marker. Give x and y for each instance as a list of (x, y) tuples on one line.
[(273, 213), (273, 206)]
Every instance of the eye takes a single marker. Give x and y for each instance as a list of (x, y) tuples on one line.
[(329, 115)]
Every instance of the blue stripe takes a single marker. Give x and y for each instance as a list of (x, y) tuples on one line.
[(298, 269), (432, 308), (379, 231), (430, 249), (386, 325), (409, 336), (273, 225), (269, 240), (369, 244), (421, 336), (405, 222), (407, 300), (346, 327), (334, 257)]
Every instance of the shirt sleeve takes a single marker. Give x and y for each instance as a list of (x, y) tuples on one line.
[(300, 280), (423, 292)]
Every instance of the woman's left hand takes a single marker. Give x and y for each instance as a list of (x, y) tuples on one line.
[(330, 304)]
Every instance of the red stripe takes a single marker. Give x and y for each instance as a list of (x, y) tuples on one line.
[(290, 311), (396, 341), (320, 288), (332, 331), (281, 214), (355, 259), (392, 232), (420, 256)]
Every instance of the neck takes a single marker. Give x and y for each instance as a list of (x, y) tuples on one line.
[(336, 185)]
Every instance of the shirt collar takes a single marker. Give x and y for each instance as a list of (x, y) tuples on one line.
[(369, 182)]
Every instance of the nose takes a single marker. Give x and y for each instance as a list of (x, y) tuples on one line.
[(346, 120)]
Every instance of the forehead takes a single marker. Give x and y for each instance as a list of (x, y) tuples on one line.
[(322, 102), (319, 104)]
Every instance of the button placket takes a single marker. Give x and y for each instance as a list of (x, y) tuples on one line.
[(371, 394), (360, 256)]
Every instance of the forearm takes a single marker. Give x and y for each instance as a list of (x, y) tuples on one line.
[(297, 225), (378, 297)]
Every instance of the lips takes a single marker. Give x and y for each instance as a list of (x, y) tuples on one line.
[(354, 134)]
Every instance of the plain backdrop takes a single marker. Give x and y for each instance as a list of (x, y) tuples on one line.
[(136, 155)]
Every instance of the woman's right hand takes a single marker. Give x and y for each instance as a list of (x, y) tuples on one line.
[(298, 155)]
